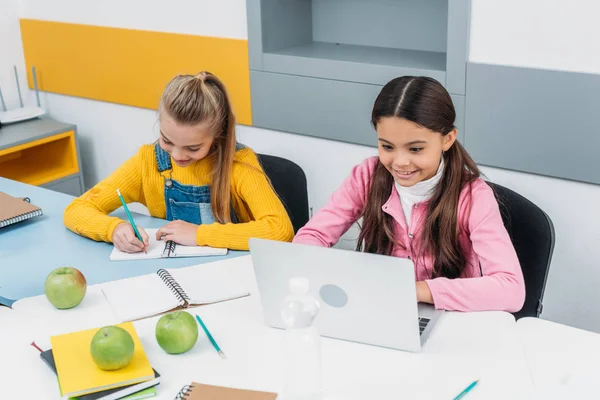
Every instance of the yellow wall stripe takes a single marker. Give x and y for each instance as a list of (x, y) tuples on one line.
[(129, 66)]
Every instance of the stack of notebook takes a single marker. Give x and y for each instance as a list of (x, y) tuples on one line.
[(79, 377), (13, 210)]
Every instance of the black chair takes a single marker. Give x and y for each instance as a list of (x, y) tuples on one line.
[(532, 233), (289, 182)]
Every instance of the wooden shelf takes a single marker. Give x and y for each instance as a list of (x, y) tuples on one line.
[(426, 60), (41, 161), (354, 63)]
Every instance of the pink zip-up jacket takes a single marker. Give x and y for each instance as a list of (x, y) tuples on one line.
[(492, 280)]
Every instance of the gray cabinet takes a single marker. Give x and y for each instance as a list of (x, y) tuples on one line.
[(317, 65)]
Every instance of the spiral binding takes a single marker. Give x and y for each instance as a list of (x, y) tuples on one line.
[(186, 391), (174, 286), (20, 218), (169, 249)]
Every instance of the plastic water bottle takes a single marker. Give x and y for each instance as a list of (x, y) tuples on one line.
[(302, 344)]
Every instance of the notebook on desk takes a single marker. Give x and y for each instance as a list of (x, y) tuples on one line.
[(169, 249), (13, 210), (170, 289), (198, 391), (79, 375), (135, 391)]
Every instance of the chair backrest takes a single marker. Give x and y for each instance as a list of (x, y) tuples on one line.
[(532, 233), (289, 182)]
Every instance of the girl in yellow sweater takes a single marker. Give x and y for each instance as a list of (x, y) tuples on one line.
[(212, 189)]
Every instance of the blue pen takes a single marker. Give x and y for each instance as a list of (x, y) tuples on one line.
[(137, 233), (215, 345), (467, 390)]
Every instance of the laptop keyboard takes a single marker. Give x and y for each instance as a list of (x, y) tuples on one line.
[(422, 324)]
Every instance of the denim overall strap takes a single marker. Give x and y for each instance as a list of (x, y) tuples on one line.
[(185, 202), (239, 146), (163, 159)]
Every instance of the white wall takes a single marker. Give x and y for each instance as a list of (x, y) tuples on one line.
[(222, 18), (535, 33), (549, 34), (11, 53)]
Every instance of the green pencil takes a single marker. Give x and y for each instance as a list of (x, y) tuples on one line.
[(467, 390), (215, 345), (135, 229)]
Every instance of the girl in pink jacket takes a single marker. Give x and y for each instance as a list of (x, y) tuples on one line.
[(422, 198)]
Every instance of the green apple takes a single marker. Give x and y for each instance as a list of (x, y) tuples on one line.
[(176, 332), (112, 348), (65, 287)]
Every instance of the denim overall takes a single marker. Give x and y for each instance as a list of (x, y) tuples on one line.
[(186, 202)]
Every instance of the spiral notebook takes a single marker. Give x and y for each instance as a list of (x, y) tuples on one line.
[(13, 210), (171, 289), (198, 391), (169, 249)]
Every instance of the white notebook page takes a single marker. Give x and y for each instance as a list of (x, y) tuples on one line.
[(196, 251), (156, 248), (139, 297), (208, 283)]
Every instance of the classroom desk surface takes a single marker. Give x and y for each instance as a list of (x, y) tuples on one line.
[(462, 347), (564, 361), (31, 249)]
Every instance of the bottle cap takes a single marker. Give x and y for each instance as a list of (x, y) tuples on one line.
[(299, 285)]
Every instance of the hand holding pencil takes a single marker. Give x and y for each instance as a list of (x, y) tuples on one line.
[(128, 237)]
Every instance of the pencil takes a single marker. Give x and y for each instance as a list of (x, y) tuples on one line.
[(215, 345), (467, 390), (135, 229)]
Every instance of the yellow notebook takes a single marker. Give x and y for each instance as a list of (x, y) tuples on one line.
[(79, 375)]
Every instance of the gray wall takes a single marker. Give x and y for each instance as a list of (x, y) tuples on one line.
[(534, 120), (408, 24)]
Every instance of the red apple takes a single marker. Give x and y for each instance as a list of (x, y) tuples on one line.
[(65, 287)]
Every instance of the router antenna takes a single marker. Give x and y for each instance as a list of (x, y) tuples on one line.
[(18, 86), (2, 100), (35, 85)]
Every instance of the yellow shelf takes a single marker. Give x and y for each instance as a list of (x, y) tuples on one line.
[(41, 161)]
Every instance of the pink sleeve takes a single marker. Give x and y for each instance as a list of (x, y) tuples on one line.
[(341, 211), (502, 286)]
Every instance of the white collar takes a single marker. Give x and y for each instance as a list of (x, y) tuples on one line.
[(425, 188)]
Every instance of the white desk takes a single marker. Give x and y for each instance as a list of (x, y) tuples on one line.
[(484, 345), (564, 361)]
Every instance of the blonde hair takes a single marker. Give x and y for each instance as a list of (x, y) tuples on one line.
[(202, 98)]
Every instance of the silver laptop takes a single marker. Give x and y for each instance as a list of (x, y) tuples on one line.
[(365, 298)]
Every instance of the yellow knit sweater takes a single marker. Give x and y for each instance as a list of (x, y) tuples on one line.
[(259, 210)]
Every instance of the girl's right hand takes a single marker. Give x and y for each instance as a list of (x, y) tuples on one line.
[(125, 240)]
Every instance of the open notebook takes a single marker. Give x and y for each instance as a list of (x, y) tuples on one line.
[(169, 249), (169, 289)]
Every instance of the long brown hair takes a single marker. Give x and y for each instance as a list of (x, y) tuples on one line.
[(425, 102), (202, 98)]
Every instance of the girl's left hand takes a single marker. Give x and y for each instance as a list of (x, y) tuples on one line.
[(180, 232)]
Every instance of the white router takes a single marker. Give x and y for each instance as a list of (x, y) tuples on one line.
[(23, 113)]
